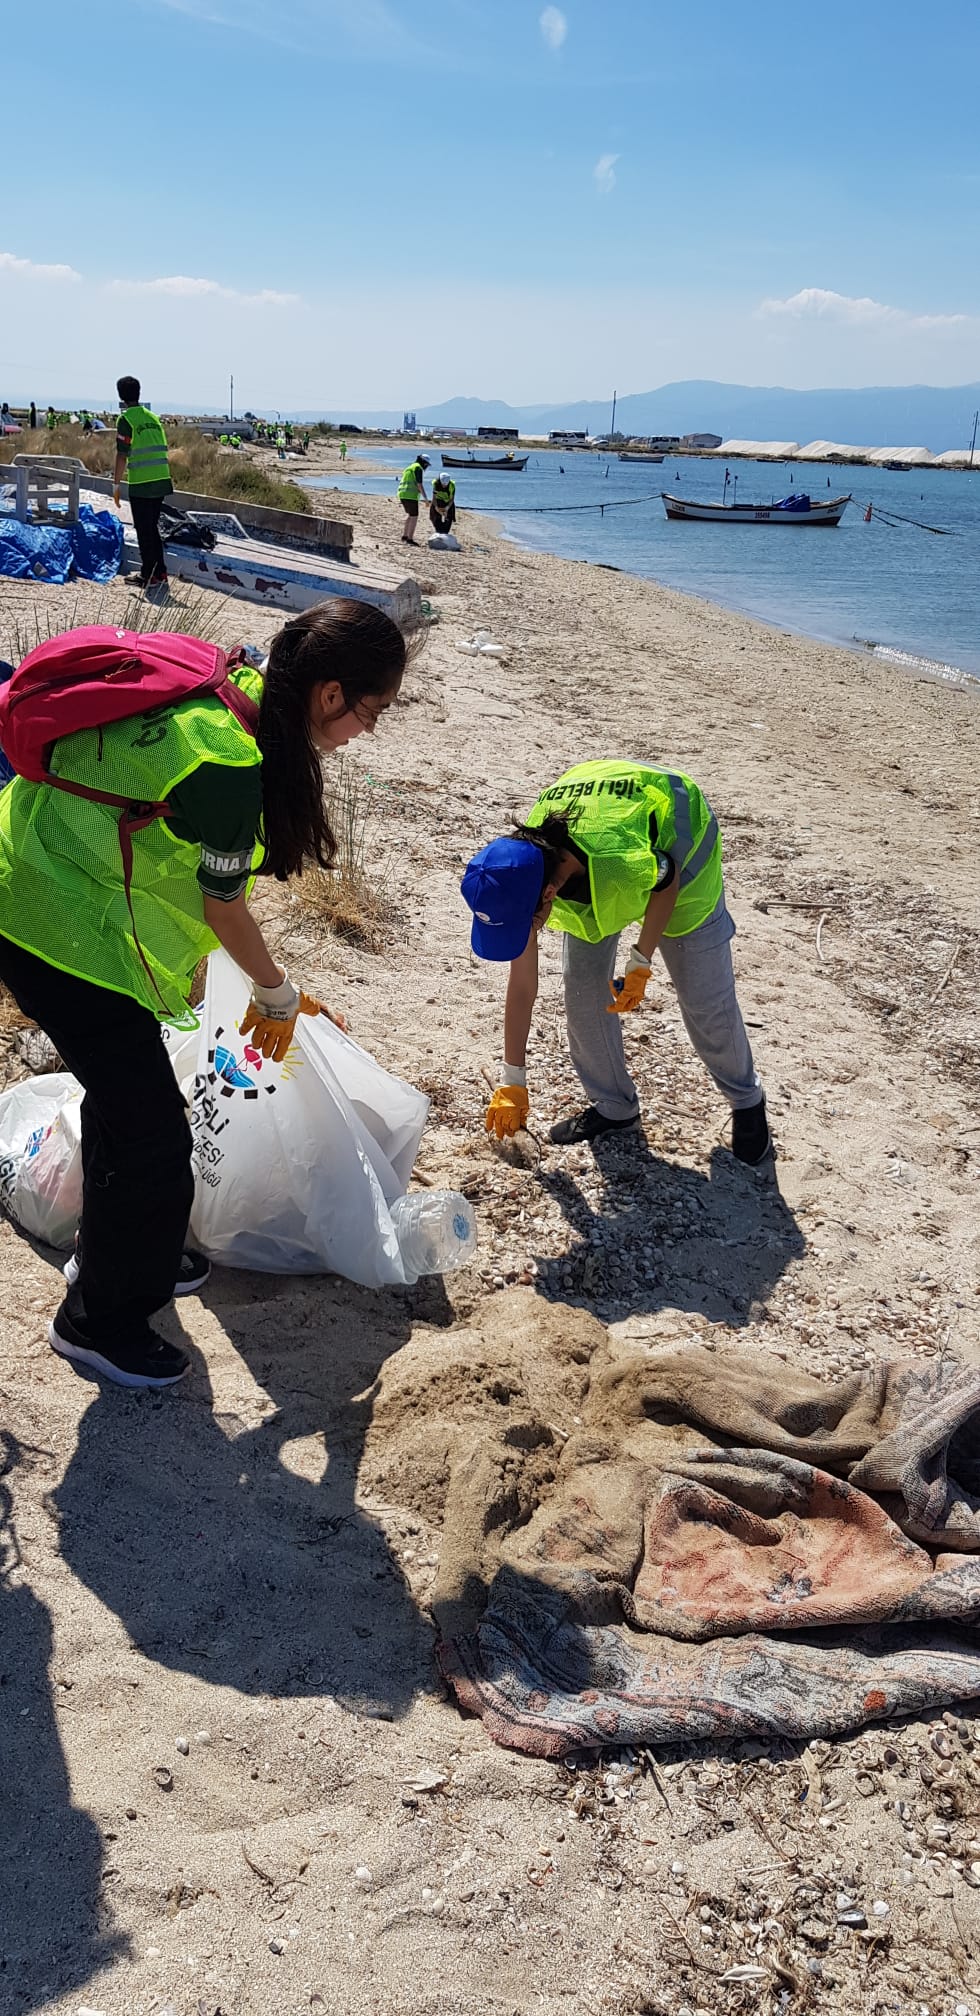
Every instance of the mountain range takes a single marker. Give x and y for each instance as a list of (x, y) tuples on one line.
[(929, 416)]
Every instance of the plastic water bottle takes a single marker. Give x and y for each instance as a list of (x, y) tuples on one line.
[(436, 1231)]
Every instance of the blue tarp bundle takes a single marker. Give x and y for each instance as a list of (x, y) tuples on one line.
[(799, 501), (92, 548)]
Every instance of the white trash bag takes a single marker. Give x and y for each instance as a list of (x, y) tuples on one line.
[(298, 1163), (300, 1168), (444, 542), (41, 1156)]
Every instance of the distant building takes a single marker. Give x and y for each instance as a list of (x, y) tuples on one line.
[(699, 441), (408, 423)]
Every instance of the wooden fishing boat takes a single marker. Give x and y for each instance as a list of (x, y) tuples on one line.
[(504, 462), (797, 510), (639, 455)]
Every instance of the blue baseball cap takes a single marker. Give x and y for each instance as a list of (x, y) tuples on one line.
[(502, 886)]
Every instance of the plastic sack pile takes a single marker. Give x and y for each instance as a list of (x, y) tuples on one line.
[(298, 1164)]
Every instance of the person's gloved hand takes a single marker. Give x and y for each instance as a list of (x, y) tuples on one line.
[(115, 495), (270, 1018), (628, 993), (507, 1111)]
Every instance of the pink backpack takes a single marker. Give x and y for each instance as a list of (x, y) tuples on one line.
[(92, 677)]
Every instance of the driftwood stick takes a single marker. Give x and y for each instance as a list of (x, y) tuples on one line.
[(947, 976), (791, 903)]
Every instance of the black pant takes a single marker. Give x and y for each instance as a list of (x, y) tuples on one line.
[(442, 520), (138, 1184), (146, 525)]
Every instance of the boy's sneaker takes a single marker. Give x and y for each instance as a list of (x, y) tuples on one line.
[(751, 1139), (588, 1126), (195, 1270), (146, 1359)]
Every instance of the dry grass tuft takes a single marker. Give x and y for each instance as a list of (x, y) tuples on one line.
[(197, 463), (350, 900)]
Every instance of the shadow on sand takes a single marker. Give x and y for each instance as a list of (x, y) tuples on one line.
[(663, 1236), (50, 1850), (223, 1559)]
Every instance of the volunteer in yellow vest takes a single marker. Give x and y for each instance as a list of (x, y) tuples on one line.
[(141, 456), (613, 847), (411, 487), (442, 510), (238, 805)]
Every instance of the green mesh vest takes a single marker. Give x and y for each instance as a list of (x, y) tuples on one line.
[(621, 815), (147, 461), (62, 893), (409, 483)]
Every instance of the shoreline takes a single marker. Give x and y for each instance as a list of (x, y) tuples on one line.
[(914, 664), (910, 662)]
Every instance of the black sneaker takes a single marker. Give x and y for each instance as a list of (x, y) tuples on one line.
[(147, 1360), (195, 1270), (588, 1126), (751, 1139)]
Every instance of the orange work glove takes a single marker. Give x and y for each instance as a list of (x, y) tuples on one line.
[(270, 1018), (507, 1111), (628, 993)]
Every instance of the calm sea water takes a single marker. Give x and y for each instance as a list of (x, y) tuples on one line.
[(908, 593)]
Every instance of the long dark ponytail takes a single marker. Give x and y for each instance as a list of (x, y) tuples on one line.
[(365, 652)]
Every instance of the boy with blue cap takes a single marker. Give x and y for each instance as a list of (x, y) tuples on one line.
[(610, 845)]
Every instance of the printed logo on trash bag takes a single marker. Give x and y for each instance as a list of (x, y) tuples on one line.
[(225, 1066)]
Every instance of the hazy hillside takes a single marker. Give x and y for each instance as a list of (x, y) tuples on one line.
[(934, 416)]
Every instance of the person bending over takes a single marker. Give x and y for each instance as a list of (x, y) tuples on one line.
[(237, 805), (611, 847)]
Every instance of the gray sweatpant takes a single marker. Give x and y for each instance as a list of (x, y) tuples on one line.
[(700, 966)]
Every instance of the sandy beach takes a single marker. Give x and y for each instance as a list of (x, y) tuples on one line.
[(233, 1780)]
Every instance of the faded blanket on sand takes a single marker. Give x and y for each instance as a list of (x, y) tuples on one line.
[(725, 1546)]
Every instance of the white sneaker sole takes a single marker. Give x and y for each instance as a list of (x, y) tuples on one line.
[(81, 1355), (70, 1271)]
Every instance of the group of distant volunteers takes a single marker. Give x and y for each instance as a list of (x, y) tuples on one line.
[(158, 778)]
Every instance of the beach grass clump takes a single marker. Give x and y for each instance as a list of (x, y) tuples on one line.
[(348, 899), (197, 463)]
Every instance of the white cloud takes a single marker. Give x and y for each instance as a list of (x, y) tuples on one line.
[(553, 26), (25, 269), (853, 310), (604, 173), (183, 287)]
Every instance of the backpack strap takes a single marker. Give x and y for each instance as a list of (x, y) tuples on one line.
[(135, 818), (239, 703)]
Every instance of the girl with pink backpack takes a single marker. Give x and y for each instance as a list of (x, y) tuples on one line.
[(155, 778)]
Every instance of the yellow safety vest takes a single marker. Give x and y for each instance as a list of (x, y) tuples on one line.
[(147, 459), (411, 482), (62, 885), (622, 815)]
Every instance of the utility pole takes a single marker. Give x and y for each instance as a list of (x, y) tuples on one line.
[(231, 398), (612, 423)]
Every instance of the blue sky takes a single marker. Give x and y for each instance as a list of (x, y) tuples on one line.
[(375, 203)]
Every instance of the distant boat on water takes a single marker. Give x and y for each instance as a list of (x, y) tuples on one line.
[(639, 455), (796, 510), (505, 462)]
